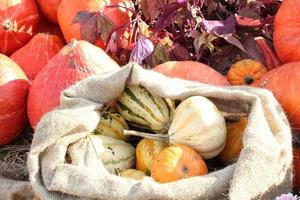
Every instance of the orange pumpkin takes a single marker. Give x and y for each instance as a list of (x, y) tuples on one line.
[(146, 151), (192, 71), (49, 9), (177, 162), (234, 141), (69, 10), (287, 31), (40, 49), (245, 72)]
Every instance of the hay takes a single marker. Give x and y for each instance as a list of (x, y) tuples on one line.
[(13, 157)]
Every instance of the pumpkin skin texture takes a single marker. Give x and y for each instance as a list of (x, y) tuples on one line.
[(177, 162), (234, 141), (40, 49), (67, 11), (286, 35), (49, 9), (18, 23), (245, 72), (192, 71), (112, 125), (14, 87), (76, 61), (284, 83), (146, 151), (133, 174)]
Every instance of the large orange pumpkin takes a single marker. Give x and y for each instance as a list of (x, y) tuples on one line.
[(193, 71), (49, 9), (177, 162), (284, 82), (68, 10), (14, 88), (245, 72), (37, 53), (18, 23), (76, 61), (287, 31)]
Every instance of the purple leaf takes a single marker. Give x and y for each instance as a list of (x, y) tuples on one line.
[(141, 51), (220, 27), (230, 38), (179, 52), (169, 15)]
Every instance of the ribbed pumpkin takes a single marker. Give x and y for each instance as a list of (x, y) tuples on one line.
[(245, 72), (14, 87), (143, 109), (18, 23), (112, 124), (132, 173), (286, 35), (115, 154), (146, 151), (74, 62), (234, 141), (68, 10), (49, 9), (40, 49), (193, 71), (197, 123), (177, 162), (284, 83)]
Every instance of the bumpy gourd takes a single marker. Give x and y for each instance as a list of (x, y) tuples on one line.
[(145, 110), (197, 123), (112, 124), (177, 162), (146, 151)]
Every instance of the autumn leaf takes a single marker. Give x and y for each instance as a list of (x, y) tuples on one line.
[(150, 8), (94, 25), (141, 51)]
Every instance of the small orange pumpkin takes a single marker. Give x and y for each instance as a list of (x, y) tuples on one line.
[(245, 72), (177, 162), (234, 141), (146, 151)]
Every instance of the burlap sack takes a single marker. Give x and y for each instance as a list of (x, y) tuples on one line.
[(263, 170), (15, 190)]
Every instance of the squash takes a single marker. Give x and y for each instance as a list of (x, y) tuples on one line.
[(74, 62), (143, 109), (19, 20), (49, 9), (133, 173), (284, 83), (245, 72), (234, 141), (197, 123), (40, 49), (286, 35), (14, 88), (71, 12), (114, 154), (112, 124), (177, 162), (192, 71), (146, 151)]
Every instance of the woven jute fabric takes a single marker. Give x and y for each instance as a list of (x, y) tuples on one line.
[(263, 170)]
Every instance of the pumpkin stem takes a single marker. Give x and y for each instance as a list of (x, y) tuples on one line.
[(160, 137), (248, 79)]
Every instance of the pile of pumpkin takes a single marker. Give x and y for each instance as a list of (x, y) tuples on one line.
[(40, 67), (179, 139)]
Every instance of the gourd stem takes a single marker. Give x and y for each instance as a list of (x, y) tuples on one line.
[(160, 137)]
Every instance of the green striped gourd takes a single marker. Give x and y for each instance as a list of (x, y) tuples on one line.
[(115, 154), (145, 110), (112, 124), (197, 123)]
